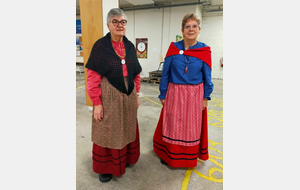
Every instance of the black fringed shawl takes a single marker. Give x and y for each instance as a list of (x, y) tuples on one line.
[(104, 60)]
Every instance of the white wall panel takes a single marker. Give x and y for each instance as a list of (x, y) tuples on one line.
[(161, 26), (147, 24), (212, 35), (106, 6)]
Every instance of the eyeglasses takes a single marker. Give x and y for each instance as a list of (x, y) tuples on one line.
[(187, 27), (116, 22)]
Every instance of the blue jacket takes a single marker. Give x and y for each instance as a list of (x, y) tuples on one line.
[(174, 71)]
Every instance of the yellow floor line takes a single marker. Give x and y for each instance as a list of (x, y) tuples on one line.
[(200, 161), (216, 157), (152, 101), (156, 90), (186, 179), (215, 162), (80, 86), (215, 150), (211, 177), (214, 143)]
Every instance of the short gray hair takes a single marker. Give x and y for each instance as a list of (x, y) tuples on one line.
[(115, 12)]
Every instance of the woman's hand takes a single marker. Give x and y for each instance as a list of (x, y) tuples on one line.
[(162, 102), (98, 112), (204, 105)]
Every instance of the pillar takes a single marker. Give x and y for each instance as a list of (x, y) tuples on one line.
[(93, 20)]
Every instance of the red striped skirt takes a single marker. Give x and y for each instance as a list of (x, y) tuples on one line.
[(182, 154), (113, 161), (178, 155)]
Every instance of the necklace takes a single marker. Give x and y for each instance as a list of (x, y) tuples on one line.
[(122, 57), (187, 61)]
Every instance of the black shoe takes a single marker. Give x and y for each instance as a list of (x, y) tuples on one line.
[(105, 177), (163, 162), (127, 165)]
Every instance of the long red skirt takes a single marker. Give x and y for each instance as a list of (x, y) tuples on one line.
[(177, 155), (113, 161)]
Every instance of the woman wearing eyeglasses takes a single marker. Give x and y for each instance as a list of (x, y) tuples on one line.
[(113, 83), (185, 87)]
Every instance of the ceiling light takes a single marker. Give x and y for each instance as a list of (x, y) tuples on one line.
[(140, 2)]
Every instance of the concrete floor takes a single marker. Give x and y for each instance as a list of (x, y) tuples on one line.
[(148, 173)]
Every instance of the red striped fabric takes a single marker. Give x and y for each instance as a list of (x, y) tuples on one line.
[(183, 114), (177, 155), (113, 161)]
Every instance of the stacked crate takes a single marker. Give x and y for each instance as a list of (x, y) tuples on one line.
[(154, 77)]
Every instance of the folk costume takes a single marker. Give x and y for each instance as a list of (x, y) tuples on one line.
[(181, 134), (114, 80)]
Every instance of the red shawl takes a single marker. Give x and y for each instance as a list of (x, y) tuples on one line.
[(201, 53)]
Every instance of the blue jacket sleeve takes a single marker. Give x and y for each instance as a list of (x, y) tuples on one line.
[(164, 81), (208, 85)]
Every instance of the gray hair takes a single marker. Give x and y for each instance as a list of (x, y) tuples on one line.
[(115, 12)]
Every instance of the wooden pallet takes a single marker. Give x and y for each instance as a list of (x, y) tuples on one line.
[(144, 79), (154, 81), (154, 77), (155, 73)]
